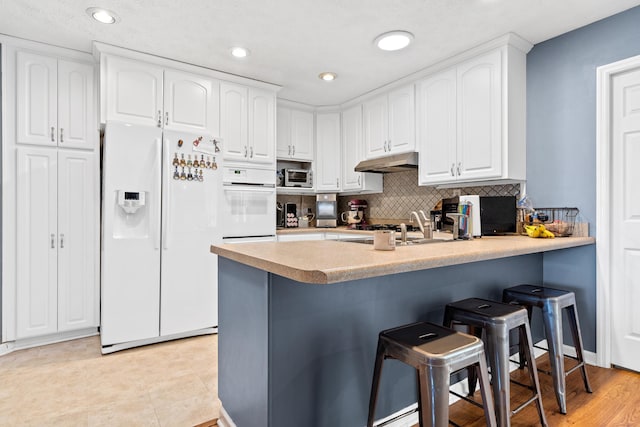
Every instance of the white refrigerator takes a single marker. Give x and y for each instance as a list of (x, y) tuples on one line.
[(161, 191)]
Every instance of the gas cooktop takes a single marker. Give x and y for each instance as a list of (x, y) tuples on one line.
[(373, 227)]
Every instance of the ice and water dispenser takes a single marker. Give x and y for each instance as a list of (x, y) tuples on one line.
[(131, 219)]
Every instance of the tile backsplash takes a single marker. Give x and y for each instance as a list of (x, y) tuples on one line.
[(401, 196)]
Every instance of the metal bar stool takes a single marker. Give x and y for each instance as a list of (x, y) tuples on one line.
[(552, 301), (497, 320), (435, 352)]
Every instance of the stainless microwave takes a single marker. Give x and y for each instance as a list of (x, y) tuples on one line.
[(297, 178)]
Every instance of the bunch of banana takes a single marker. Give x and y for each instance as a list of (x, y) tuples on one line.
[(538, 231)]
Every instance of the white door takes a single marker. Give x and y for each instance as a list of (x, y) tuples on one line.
[(437, 128), (625, 220), (134, 92), (130, 285), (401, 122), (302, 135), (37, 97), (190, 103), (76, 106), (352, 151), (77, 240), (262, 132), (190, 225), (374, 118), (234, 121), (37, 242), (328, 166), (283, 132), (479, 117)]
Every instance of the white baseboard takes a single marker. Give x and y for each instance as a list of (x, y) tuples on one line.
[(408, 417), (25, 343)]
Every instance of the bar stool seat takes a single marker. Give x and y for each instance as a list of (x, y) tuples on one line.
[(497, 320), (552, 302), (435, 352)]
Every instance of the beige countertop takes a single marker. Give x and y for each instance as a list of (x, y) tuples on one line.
[(330, 261)]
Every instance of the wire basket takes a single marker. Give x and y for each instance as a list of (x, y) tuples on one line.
[(560, 221)]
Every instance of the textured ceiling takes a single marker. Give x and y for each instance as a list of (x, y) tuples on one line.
[(292, 41)]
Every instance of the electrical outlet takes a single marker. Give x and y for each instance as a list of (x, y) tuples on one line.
[(457, 192)]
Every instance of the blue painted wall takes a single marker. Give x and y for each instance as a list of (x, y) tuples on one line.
[(561, 139)]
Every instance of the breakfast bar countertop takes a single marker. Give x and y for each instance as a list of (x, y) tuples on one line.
[(330, 261)]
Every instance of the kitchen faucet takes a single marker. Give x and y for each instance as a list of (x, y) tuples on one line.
[(426, 232)]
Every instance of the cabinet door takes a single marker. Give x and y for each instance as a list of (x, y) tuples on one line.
[(375, 116), (133, 91), (327, 170), (262, 131), (283, 132), (233, 121), (402, 125), (479, 118), (77, 240), (190, 103), (37, 97), (437, 128), (37, 243), (352, 152), (76, 106), (302, 134)]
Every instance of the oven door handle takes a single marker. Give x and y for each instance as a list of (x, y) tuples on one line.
[(249, 188)]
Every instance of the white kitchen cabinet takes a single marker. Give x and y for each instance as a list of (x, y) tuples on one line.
[(295, 134), (141, 93), (57, 245), (247, 124), (353, 153), (471, 120), (389, 123), (327, 165), (55, 102), (300, 237)]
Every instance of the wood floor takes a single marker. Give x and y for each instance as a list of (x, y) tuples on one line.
[(615, 401)]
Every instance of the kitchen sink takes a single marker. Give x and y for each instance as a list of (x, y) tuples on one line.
[(409, 242)]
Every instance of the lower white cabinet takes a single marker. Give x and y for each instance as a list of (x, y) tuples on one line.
[(57, 241)]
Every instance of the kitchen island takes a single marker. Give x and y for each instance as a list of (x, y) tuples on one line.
[(299, 321)]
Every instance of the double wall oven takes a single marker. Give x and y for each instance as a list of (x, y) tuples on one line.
[(249, 199)]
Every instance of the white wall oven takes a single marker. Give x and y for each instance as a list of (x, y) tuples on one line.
[(249, 205)]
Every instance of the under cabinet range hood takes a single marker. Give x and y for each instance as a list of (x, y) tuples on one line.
[(396, 163)]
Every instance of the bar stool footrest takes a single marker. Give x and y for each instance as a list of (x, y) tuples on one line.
[(479, 405)]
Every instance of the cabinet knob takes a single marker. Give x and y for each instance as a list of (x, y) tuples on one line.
[(359, 184), (159, 118), (459, 167), (53, 135), (61, 135), (245, 151), (452, 166), (289, 150), (62, 241), (293, 152), (53, 241), (251, 152), (166, 118), (337, 182)]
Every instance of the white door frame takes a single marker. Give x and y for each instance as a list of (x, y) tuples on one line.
[(604, 310)]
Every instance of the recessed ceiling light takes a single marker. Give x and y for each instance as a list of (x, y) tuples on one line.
[(393, 40), (240, 52), (328, 76), (103, 15)]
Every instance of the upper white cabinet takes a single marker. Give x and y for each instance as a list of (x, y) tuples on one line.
[(55, 102), (295, 134), (57, 252), (389, 123), (147, 94), (247, 124), (327, 165), (353, 153), (471, 120)]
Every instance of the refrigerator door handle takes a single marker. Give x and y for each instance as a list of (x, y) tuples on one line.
[(158, 190), (166, 197)]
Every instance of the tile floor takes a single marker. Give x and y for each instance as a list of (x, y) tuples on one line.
[(71, 384)]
